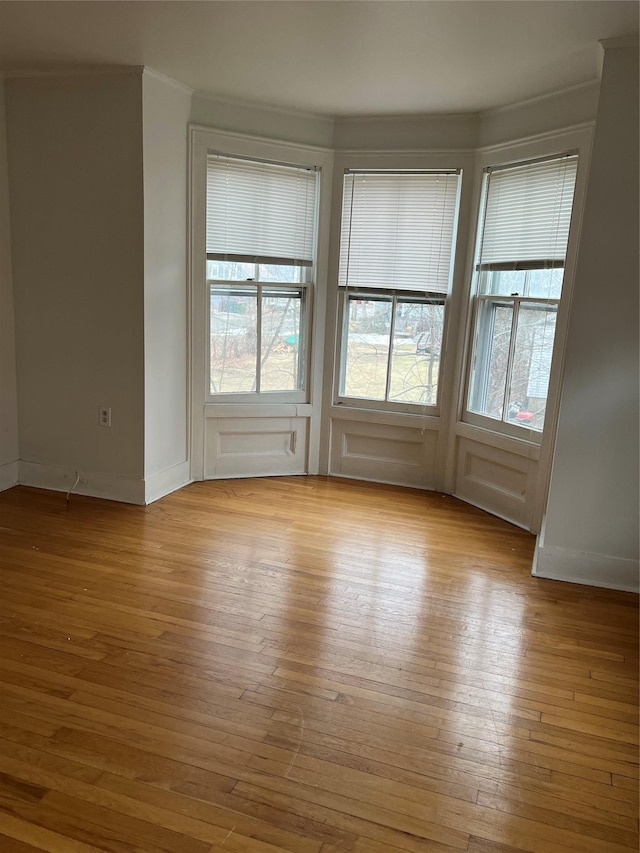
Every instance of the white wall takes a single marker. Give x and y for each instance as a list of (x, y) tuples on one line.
[(8, 394), (76, 193), (401, 133), (591, 529), (166, 108)]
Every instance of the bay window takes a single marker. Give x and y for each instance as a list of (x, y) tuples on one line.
[(396, 258)]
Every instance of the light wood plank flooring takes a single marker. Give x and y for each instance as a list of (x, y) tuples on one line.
[(305, 665)]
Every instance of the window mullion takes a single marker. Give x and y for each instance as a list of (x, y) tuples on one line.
[(394, 306), (258, 336), (512, 349)]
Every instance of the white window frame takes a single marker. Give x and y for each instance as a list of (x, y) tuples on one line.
[(260, 397), (202, 141), (306, 287), (486, 423), (344, 293), (477, 418), (395, 296)]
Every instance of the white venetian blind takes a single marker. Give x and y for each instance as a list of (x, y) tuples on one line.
[(260, 212), (398, 230), (527, 214)]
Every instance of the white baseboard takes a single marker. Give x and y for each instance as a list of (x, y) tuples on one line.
[(92, 483), (164, 482), (8, 475), (565, 564)]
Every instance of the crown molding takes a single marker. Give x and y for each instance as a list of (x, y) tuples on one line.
[(164, 78), (557, 133), (405, 152), (415, 118), (631, 40), (232, 135), (537, 99), (261, 107)]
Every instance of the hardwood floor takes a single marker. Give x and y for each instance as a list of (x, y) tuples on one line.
[(305, 664)]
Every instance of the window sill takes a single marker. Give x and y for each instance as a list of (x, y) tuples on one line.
[(416, 420), (254, 409), (523, 446)]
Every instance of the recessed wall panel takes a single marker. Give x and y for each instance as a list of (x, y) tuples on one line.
[(500, 481), (385, 453), (254, 447)]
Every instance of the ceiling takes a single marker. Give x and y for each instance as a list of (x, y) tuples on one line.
[(335, 57)]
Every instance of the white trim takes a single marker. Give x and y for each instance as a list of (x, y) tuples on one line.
[(196, 264), (260, 107), (201, 140), (477, 150), (493, 426), (93, 483), (556, 378), (344, 412), (464, 160), (535, 139), (362, 479), (491, 511), (189, 304), (164, 482), (547, 144), (406, 152), (594, 83), (224, 138), (620, 41), (572, 566), (258, 410), (164, 78), (518, 446), (9, 475), (392, 118)]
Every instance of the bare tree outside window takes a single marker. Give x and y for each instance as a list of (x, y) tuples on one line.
[(402, 366), (255, 338)]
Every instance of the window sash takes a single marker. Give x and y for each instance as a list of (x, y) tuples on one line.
[(485, 312), (261, 291), (398, 230), (260, 212), (386, 399)]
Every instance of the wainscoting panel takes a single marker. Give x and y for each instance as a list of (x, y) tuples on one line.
[(498, 480), (255, 447), (402, 455)]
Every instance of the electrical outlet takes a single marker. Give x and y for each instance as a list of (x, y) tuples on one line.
[(104, 416)]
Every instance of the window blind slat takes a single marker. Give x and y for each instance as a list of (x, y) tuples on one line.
[(260, 210), (528, 212), (398, 230)]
